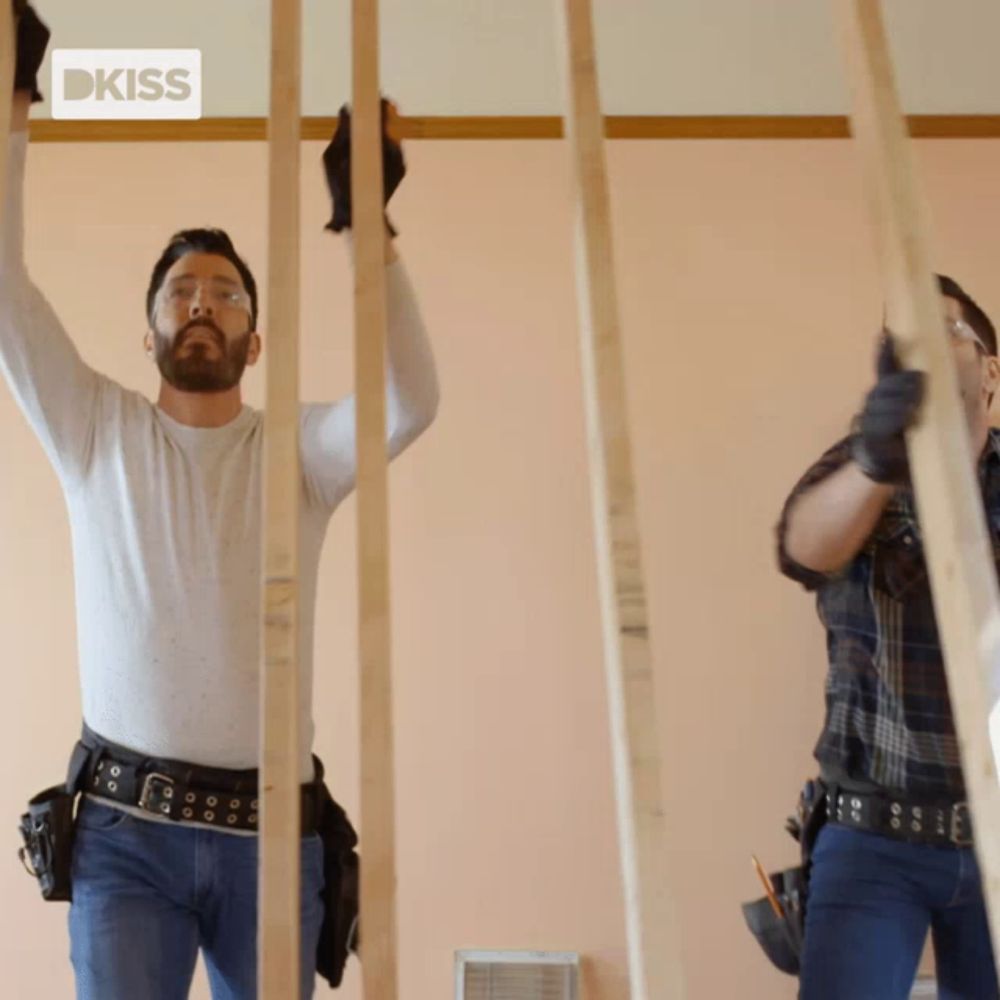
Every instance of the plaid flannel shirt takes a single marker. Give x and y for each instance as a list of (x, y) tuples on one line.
[(889, 722)]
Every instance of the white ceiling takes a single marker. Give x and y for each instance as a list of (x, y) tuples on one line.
[(498, 57)]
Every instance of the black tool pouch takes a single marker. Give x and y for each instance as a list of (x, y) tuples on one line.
[(781, 937), (342, 890), (47, 831)]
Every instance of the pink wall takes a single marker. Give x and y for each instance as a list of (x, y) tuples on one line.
[(749, 304)]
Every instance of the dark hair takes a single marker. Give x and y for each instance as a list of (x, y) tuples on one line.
[(971, 311), (187, 241)]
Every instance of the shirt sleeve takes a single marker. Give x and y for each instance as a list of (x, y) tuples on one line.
[(832, 459), (56, 391), (328, 429)]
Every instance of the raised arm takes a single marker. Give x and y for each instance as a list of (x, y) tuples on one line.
[(56, 391), (835, 507), (328, 431), (829, 523)]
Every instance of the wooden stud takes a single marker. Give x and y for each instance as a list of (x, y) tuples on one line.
[(956, 541), (7, 60), (280, 796), (378, 870), (653, 945)]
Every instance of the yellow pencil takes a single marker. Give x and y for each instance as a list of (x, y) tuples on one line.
[(768, 887)]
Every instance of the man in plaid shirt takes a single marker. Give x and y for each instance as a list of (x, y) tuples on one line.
[(896, 857)]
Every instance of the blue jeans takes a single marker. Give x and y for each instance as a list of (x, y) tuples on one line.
[(147, 895), (871, 902)]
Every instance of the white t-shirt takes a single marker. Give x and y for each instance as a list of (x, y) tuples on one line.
[(166, 522)]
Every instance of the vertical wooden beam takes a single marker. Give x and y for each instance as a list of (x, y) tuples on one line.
[(7, 59), (653, 944), (278, 908), (956, 541), (378, 872)]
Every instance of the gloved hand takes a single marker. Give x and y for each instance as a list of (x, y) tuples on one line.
[(32, 40), (337, 165), (878, 445)]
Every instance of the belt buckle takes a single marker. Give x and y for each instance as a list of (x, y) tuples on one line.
[(955, 835), (147, 791)]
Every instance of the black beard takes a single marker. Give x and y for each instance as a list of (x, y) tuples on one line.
[(196, 371)]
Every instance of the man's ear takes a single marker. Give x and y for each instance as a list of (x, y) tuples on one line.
[(256, 346), (147, 343), (991, 378)]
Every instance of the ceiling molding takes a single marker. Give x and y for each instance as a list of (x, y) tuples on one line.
[(516, 127)]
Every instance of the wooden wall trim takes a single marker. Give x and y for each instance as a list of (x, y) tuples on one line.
[(516, 127)]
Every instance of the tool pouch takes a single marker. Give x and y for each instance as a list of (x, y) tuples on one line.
[(47, 832), (342, 889), (781, 937)]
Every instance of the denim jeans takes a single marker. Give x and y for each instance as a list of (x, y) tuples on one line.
[(871, 902), (148, 895)]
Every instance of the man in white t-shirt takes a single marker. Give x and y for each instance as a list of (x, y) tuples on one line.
[(164, 502)]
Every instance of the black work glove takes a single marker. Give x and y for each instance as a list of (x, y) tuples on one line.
[(878, 445), (32, 40), (337, 165)]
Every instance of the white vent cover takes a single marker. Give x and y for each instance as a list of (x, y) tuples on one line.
[(516, 975)]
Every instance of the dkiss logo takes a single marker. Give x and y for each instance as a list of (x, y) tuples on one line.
[(126, 83), (144, 85)]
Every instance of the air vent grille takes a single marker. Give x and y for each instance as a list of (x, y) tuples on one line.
[(516, 975)]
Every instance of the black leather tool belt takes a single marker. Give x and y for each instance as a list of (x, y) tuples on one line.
[(182, 792), (188, 793), (936, 823)]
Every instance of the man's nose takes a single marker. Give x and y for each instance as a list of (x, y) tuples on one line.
[(201, 304)]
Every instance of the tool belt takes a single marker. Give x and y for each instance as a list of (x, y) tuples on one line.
[(175, 790), (189, 793), (937, 824)]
